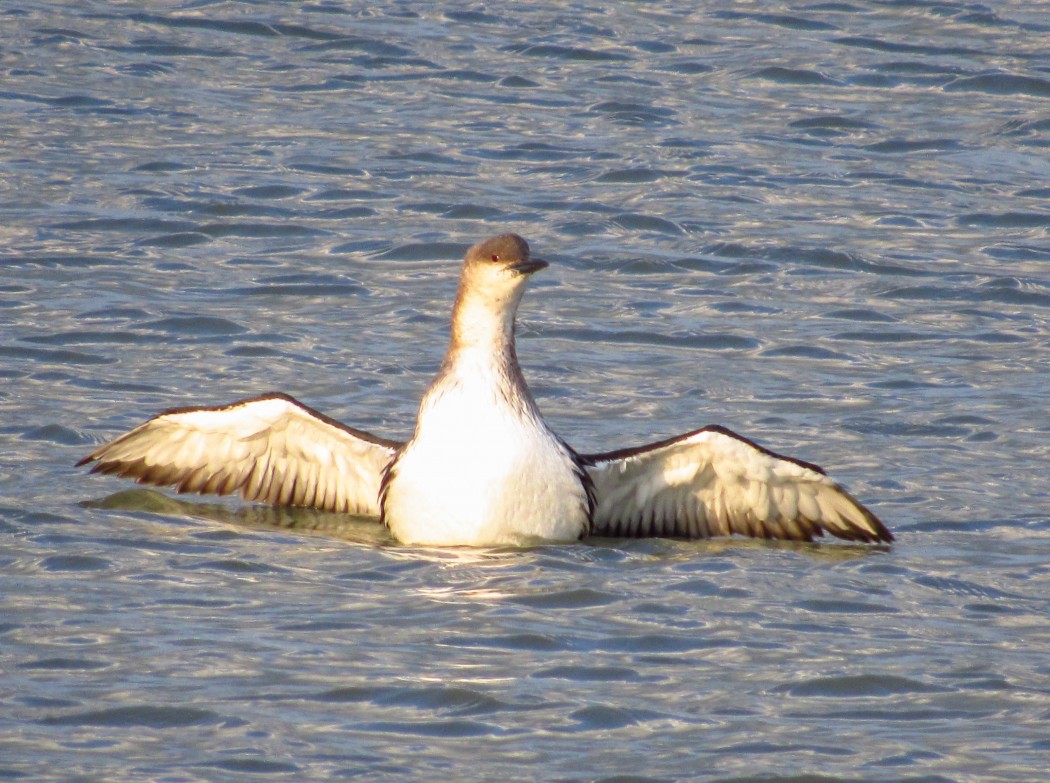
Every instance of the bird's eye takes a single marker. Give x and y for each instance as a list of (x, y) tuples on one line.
[(495, 257)]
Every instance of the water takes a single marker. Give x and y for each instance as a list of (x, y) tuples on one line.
[(821, 224)]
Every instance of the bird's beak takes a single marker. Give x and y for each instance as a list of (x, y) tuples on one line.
[(530, 266)]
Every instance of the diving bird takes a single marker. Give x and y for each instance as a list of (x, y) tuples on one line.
[(482, 467)]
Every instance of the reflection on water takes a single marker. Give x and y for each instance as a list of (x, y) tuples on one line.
[(337, 526)]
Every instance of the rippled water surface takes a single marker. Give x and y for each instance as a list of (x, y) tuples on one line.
[(822, 224)]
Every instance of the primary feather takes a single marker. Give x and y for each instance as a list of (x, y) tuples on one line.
[(271, 449), (713, 482)]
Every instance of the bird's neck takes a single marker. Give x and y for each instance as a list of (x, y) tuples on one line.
[(480, 377), (483, 331)]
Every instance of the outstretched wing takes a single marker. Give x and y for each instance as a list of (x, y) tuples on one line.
[(712, 482), (271, 449)]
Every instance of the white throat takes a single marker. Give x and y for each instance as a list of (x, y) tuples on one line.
[(483, 468)]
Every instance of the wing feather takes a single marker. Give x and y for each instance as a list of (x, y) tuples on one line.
[(270, 448), (714, 482)]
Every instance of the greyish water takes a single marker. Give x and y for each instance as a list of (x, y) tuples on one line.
[(823, 224)]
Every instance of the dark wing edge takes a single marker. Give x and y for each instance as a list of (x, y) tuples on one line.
[(712, 482), (271, 449)]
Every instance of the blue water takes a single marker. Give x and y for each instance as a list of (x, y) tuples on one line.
[(824, 225)]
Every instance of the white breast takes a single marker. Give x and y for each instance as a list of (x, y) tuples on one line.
[(480, 471)]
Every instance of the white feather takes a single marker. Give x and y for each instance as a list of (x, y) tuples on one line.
[(264, 447), (728, 482)]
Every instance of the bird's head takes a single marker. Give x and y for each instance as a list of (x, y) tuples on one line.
[(491, 285), (500, 263)]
